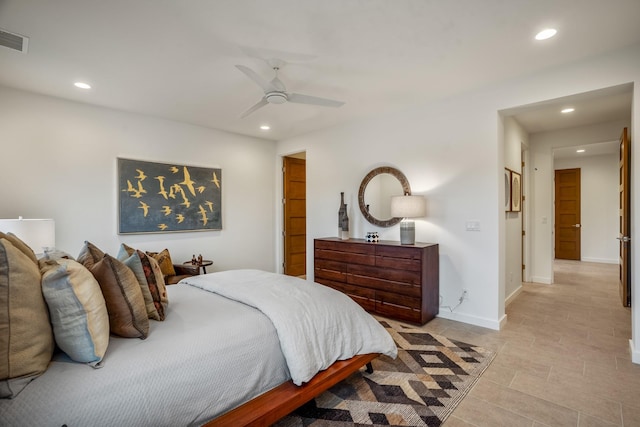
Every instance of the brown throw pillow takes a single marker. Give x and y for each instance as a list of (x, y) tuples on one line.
[(165, 262), (26, 337), (89, 255), (121, 291)]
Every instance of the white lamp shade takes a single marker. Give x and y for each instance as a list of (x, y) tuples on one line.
[(38, 234), (408, 206)]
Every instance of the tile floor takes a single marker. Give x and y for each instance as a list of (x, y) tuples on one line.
[(562, 359)]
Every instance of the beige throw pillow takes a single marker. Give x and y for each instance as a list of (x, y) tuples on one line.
[(26, 338)]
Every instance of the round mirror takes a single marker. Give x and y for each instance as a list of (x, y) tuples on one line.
[(374, 196)]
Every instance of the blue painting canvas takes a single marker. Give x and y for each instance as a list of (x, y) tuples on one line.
[(167, 197)]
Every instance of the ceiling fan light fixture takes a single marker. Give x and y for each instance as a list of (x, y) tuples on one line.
[(276, 97)]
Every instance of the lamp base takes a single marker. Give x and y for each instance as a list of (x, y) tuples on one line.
[(407, 232)]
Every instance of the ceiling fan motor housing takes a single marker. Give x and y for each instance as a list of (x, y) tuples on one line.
[(276, 97)]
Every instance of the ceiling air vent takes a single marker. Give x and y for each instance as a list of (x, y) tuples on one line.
[(14, 41)]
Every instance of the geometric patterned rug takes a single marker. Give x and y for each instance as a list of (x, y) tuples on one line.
[(421, 387)]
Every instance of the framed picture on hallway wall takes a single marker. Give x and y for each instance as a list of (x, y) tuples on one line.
[(516, 192), (507, 190)]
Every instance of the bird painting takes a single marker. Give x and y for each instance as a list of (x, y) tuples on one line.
[(141, 176), (167, 197), (144, 207), (215, 180), (140, 188), (136, 193), (162, 191), (204, 214), (188, 182)]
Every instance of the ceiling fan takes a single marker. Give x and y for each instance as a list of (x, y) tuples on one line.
[(276, 93)]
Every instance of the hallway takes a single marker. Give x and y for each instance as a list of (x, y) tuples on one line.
[(562, 359)]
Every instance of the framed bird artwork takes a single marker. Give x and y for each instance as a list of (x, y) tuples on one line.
[(168, 197)]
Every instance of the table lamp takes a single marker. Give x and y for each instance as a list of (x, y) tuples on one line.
[(406, 207), (38, 234)]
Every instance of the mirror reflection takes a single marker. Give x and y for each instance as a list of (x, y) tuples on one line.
[(377, 195)]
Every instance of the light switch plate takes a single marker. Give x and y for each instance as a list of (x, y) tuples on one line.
[(473, 225)]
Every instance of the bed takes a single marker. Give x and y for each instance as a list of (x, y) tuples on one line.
[(227, 354)]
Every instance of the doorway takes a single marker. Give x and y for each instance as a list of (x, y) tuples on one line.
[(567, 214), (294, 201)]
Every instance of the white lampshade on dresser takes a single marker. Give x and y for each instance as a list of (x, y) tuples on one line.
[(38, 234), (407, 207)]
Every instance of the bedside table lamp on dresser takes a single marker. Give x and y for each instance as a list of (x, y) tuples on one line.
[(386, 278), (407, 207)]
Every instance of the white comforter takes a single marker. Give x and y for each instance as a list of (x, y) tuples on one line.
[(316, 325)]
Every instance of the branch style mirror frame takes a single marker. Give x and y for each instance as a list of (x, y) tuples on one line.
[(404, 182)]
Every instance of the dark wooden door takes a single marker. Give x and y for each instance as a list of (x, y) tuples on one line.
[(567, 214), (295, 217), (625, 219)]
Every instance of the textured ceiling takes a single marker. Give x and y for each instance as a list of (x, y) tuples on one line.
[(177, 59)]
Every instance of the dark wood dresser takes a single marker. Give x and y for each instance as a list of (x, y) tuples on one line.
[(396, 281)]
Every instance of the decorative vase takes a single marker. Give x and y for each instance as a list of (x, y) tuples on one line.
[(345, 225), (342, 213)]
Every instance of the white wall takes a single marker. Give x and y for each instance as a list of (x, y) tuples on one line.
[(453, 152), (59, 161), (542, 166), (514, 138), (598, 205)]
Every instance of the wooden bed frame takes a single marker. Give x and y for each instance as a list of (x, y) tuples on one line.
[(280, 401)]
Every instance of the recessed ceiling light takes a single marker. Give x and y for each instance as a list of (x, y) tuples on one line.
[(567, 110), (580, 151), (546, 34), (82, 85), (265, 127)]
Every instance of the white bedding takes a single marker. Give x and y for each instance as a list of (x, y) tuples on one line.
[(185, 373), (316, 325)]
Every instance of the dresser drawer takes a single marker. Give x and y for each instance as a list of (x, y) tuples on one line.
[(398, 312), (344, 251), (399, 263), (383, 277), (332, 270), (364, 297)]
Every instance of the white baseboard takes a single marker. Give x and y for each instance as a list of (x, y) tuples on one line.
[(635, 353), (601, 260), (538, 279), (513, 296), (473, 320)]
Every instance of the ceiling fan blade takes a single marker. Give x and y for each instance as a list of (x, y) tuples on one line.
[(313, 100), (264, 84), (259, 104)]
